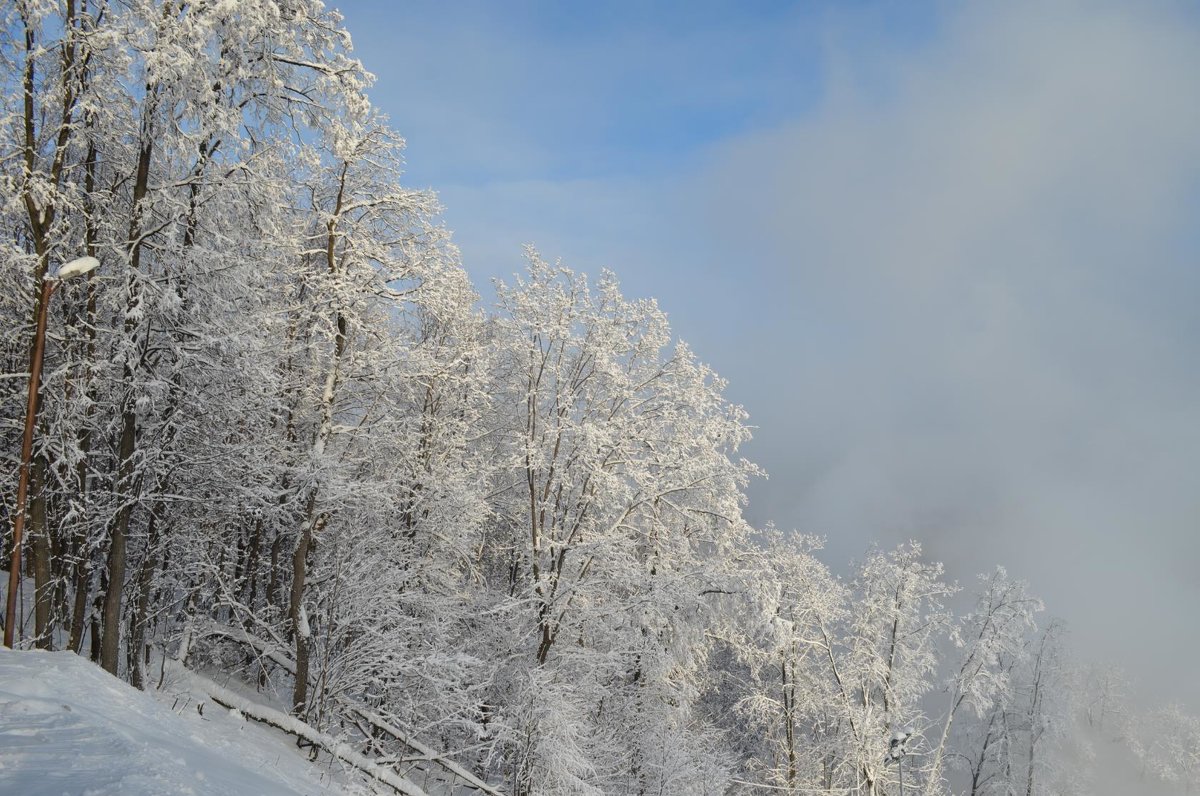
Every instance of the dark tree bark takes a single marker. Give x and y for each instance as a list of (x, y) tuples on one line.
[(43, 581)]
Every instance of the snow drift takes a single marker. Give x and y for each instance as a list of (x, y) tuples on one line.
[(67, 727)]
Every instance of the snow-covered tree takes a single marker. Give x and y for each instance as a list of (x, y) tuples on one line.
[(991, 639), (777, 637), (618, 496), (885, 660)]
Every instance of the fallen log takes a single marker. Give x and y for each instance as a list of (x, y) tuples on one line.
[(294, 726)]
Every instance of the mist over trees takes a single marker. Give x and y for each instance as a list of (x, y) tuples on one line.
[(278, 437)]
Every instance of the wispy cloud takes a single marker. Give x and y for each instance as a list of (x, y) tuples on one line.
[(996, 252)]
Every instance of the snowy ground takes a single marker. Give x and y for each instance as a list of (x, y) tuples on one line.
[(67, 727)]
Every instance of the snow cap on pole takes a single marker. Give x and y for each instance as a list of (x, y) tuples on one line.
[(77, 267)]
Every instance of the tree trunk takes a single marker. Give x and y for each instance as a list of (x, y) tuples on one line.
[(145, 580), (111, 641), (83, 557), (126, 480), (79, 611), (40, 217), (977, 769), (312, 524), (43, 582), (297, 617), (249, 591), (97, 609), (787, 696)]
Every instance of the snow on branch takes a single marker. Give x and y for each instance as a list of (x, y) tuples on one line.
[(296, 727)]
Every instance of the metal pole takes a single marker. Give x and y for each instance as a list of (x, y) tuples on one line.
[(900, 767), (31, 406)]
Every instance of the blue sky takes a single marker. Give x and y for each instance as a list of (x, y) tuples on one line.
[(491, 91), (945, 253)]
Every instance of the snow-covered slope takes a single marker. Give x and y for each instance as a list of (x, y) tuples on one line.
[(67, 727)]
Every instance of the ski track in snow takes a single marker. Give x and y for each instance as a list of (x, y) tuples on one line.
[(67, 727)]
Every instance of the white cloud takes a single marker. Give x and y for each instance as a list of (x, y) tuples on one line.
[(996, 248)]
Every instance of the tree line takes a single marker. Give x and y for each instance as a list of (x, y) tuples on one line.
[(278, 436)]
